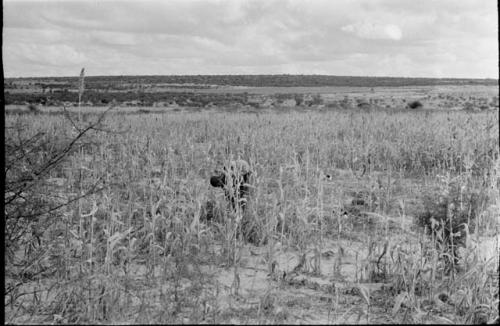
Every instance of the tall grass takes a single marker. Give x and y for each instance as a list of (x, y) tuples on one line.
[(138, 252)]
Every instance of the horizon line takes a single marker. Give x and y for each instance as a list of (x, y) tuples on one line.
[(320, 75)]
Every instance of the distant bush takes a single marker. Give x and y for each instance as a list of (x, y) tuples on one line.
[(332, 105), (33, 108), (469, 106), (299, 99), (363, 105), (415, 105), (316, 100)]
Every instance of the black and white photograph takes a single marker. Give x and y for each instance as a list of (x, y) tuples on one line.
[(251, 162)]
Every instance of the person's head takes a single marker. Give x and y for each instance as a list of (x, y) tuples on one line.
[(234, 179)]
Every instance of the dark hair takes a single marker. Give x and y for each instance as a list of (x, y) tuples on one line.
[(236, 185)]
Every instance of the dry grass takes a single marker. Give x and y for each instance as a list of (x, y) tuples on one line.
[(137, 251)]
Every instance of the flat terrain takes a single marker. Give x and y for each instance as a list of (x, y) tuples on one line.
[(259, 92), (343, 186)]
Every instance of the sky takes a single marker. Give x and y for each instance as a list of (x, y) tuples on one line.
[(398, 38)]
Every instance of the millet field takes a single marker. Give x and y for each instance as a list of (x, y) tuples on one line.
[(353, 217)]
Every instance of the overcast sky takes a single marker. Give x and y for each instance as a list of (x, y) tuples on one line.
[(409, 38)]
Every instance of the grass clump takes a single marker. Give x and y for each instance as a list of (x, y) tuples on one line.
[(450, 213)]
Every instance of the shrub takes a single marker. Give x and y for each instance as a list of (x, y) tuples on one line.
[(468, 106), (332, 105), (364, 105), (33, 108), (299, 99), (415, 105), (35, 196), (449, 213), (316, 100)]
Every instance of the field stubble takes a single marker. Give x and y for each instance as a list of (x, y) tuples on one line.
[(334, 203)]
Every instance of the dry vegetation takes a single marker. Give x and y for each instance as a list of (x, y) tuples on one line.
[(355, 217)]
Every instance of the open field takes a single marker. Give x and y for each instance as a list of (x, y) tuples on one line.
[(259, 92), (213, 81), (333, 231), (472, 98)]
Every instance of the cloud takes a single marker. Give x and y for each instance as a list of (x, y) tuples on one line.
[(374, 31), (342, 37), (115, 38), (51, 55)]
